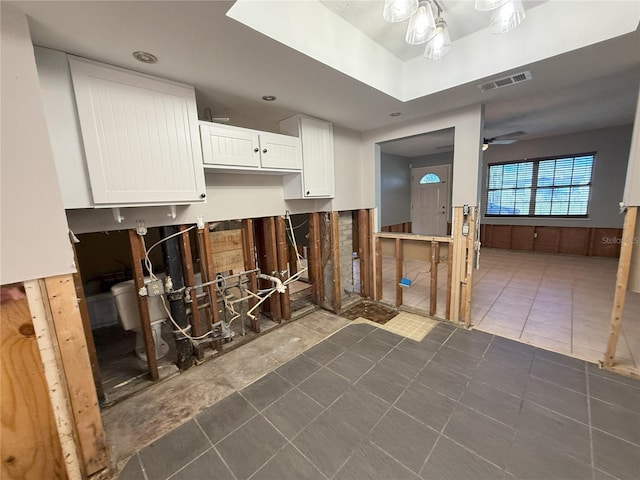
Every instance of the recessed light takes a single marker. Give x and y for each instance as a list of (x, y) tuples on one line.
[(145, 57), (395, 114), (269, 98)]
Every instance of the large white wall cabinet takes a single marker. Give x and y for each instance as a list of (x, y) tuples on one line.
[(140, 136), (317, 178), (241, 150)]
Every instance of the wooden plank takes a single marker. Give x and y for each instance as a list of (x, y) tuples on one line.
[(547, 239), (335, 262), (86, 326), (447, 314), (227, 252), (500, 236), (77, 367), (198, 327), (207, 272), (622, 279), (269, 226), (433, 289), (137, 255), (293, 260), (31, 446), (282, 249), (522, 237), (314, 260), (399, 272), (363, 253), (468, 275), (226, 240), (458, 263), (414, 236), (249, 247), (574, 240), (378, 269), (606, 242), (369, 238)]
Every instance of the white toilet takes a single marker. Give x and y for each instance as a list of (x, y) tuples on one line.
[(125, 295)]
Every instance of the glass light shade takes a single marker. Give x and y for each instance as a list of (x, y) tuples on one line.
[(440, 44), (486, 5), (399, 10), (422, 25), (507, 17)]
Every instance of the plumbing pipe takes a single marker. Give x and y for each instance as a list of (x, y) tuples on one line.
[(280, 287)]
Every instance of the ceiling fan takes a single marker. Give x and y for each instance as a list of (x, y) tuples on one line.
[(505, 139)]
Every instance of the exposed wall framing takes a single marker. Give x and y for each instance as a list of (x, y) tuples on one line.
[(283, 271), (249, 248)]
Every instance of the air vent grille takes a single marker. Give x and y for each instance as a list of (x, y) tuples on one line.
[(506, 81)]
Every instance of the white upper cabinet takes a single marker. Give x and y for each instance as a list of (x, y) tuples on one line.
[(225, 147), (140, 136), (317, 179)]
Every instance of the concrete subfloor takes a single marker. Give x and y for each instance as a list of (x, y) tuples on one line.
[(140, 420)]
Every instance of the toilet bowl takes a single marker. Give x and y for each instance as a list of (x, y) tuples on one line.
[(125, 297)]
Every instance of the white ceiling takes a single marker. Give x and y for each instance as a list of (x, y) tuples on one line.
[(232, 66)]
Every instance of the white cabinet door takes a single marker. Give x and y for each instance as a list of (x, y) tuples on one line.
[(317, 179), (225, 145), (140, 136), (280, 151)]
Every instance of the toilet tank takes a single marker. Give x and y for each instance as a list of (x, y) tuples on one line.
[(125, 297)]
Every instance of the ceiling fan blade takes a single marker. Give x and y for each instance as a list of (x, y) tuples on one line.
[(509, 135), (442, 147), (502, 142)]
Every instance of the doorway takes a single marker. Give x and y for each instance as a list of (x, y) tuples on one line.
[(430, 199)]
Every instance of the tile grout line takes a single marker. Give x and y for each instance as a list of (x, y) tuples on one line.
[(524, 325), (215, 449), (591, 455), (144, 471)]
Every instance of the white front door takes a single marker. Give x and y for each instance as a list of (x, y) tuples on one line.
[(430, 200)]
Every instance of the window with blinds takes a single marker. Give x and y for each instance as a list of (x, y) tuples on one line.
[(545, 187)]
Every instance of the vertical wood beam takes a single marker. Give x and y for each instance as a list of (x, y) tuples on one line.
[(459, 243), (433, 290), (283, 252), (137, 255), (86, 324), (335, 259), (36, 423), (77, 368), (248, 251), (622, 280), (269, 226), (447, 314), (399, 255), (378, 282), (314, 261), (198, 327), (206, 270), (364, 253), (370, 244), (468, 275), (293, 260)]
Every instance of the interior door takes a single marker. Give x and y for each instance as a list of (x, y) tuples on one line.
[(430, 194)]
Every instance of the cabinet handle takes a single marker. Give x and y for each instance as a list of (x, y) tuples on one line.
[(308, 192), (256, 149), (203, 195), (264, 151)]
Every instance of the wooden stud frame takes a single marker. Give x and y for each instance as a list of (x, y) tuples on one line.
[(206, 271), (335, 261), (137, 256), (282, 250), (314, 260), (399, 262), (199, 326), (378, 269), (248, 248), (622, 280), (271, 267), (433, 289), (364, 253)]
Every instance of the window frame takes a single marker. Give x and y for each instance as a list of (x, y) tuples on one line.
[(534, 187)]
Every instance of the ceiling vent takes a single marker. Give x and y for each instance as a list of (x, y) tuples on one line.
[(506, 81)]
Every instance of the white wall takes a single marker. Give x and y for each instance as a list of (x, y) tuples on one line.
[(610, 167), (468, 124), (34, 238), (395, 189)]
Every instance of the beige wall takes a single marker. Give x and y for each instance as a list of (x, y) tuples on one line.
[(33, 235)]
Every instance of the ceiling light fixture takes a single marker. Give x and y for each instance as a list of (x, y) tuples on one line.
[(399, 10), (507, 17), (269, 98), (422, 25), (440, 44), (144, 57), (486, 5)]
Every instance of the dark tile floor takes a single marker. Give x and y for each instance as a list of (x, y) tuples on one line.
[(367, 404)]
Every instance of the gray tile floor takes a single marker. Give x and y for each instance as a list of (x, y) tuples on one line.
[(367, 404)]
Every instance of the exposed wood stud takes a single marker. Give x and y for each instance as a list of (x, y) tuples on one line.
[(447, 314), (198, 326), (206, 271), (283, 253), (249, 248), (37, 438), (86, 323), (369, 238), (622, 280), (468, 282), (335, 261), (137, 256), (399, 272), (378, 282), (364, 253), (69, 332), (293, 260), (314, 260), (433, 289), (271, 265)]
